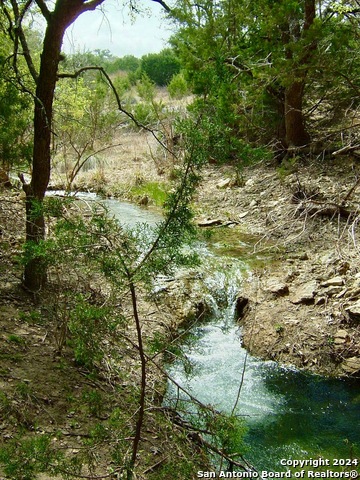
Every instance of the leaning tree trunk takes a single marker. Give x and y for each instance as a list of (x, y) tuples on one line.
[(296, 134)]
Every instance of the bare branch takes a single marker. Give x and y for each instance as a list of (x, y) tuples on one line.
[(19, 35), (118, 101), (163, 4)]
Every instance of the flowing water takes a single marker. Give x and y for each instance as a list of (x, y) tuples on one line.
[(289, 414), (125, 212)]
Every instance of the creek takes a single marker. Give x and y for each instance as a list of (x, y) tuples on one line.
[(289, 414)]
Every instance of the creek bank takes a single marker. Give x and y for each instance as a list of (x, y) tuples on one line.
[(304, 290), (46, 393), (304, 300)]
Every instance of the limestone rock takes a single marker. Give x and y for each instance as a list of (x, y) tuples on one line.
[(351, 365), (331, 291), (354, 309), (340, 338), (250, 182), (333, 282), (304, 293), (276, 286), (210, 222), (224, 183)]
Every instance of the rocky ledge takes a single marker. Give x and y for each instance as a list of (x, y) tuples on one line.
[(303, 301)]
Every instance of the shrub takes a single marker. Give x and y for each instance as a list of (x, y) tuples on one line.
[(178, 86)]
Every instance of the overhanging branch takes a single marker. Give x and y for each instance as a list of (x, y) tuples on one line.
[(163, 4), (118, 101)]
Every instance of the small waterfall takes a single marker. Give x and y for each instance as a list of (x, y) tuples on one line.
[(289, 414), (216, 355)]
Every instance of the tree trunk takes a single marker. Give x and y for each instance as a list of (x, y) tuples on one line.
[(35, 269), (65, 12), (296, 134)]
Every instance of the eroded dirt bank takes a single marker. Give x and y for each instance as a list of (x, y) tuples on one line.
[(304, 295)]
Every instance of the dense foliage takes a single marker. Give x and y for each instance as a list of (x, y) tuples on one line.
[(160, 67), (15, 109), (271, 72)]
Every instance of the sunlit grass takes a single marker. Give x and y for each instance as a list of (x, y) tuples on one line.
[(156, 192)]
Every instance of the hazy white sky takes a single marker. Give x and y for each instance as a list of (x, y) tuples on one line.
[(114, 29)]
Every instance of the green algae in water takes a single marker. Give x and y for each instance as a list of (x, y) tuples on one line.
[(319, 417), (289, 414)]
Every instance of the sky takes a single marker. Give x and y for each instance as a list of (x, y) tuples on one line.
[(113, 29)]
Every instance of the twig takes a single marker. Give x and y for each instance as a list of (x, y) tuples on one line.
[(150, 469), (346, 149)]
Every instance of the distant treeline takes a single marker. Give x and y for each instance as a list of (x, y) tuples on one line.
[(159, 67)]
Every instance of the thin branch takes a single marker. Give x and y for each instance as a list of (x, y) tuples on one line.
[(166, 375), (19, 34), (350, 192), (196, 437), (79, 165), (346, 149), (350, 82), (25, 9), (8, 17), (118, 101), (163, 4), (240, 385)]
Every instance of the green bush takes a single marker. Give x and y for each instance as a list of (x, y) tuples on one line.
[(144, 113), (88, 325), (160, 67), (178, 86)]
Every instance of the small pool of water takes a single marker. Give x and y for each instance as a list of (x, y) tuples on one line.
[(289, 414)]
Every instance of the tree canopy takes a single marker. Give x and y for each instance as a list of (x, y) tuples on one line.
[(277, 68)]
